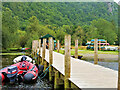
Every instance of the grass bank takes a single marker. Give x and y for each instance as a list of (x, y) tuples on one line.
[(14, 54), (89, 52)]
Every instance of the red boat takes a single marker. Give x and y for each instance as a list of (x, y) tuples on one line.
[(21, 71)]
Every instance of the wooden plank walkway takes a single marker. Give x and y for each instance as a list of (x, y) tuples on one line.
[(85, 74)]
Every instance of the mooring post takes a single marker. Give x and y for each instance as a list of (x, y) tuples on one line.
[(106, 42), (99, 45), (43, 51), (56, 80), (58, 46), (67, 60), (53, 44), (76, 48), (50, 57), (119, 68), (39, 50), (32, 48), (33, 52), (36, 53), (96, 51)]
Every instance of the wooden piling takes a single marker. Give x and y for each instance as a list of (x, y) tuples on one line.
[(119, 68), (56, 81), (67, 60), (39, 50), (53, 44), (58, 46), (99, 45), (76, 48), (43, 51), (39, 46), (45, 64), (50, 57), (96, 51), (106, 42)]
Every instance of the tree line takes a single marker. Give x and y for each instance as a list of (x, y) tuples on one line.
[(24, 22)]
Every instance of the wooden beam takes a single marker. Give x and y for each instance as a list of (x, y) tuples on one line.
[(39, 58), (56, 80), (43, 51), (39, 46), (50, 57), (99, 45), (119, 68), (76, 48), (67, 60), (96, 51), (58, 46)]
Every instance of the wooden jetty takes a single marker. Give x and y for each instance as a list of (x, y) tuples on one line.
[(76, 73)]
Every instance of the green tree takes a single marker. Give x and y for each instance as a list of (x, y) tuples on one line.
[(10, 25), (79, 34)]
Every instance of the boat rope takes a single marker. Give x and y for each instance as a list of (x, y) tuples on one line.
[(46, 70), (45, 73)]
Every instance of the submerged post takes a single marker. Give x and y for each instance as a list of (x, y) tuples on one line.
[(58, 46), (96, 51), (76, 48), (67, 60), (43, 51), (50, 57)]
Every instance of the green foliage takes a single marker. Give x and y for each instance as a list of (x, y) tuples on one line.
[(24, 22), (79, 34), (9, 26), (105, 30)]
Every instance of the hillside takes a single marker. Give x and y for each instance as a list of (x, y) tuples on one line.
[(64, 13), (82, 20)]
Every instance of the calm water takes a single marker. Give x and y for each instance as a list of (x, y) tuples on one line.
[(39, 84), (111, 65)]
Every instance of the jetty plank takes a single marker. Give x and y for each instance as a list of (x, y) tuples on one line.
[(85, 74)]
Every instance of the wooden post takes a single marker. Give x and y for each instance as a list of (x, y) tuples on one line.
[(58, 46), (45, 65), (67, 60), (32, 47), (53, 44), (39, 47), (76, 48), (99, 45), (50, 57), (96, 51), (119, 68), (39, 50), (106, 42), (43, 51), (36, 53), (56, 80)]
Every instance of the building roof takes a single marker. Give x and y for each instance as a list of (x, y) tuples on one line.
[(47, 36), (102, 40)]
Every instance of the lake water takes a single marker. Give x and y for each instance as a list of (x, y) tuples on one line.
[(111, 65)]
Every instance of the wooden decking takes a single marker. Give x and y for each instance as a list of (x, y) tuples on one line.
[(85, 74)]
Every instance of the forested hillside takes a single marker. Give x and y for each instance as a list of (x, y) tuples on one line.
[(23, 22)]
